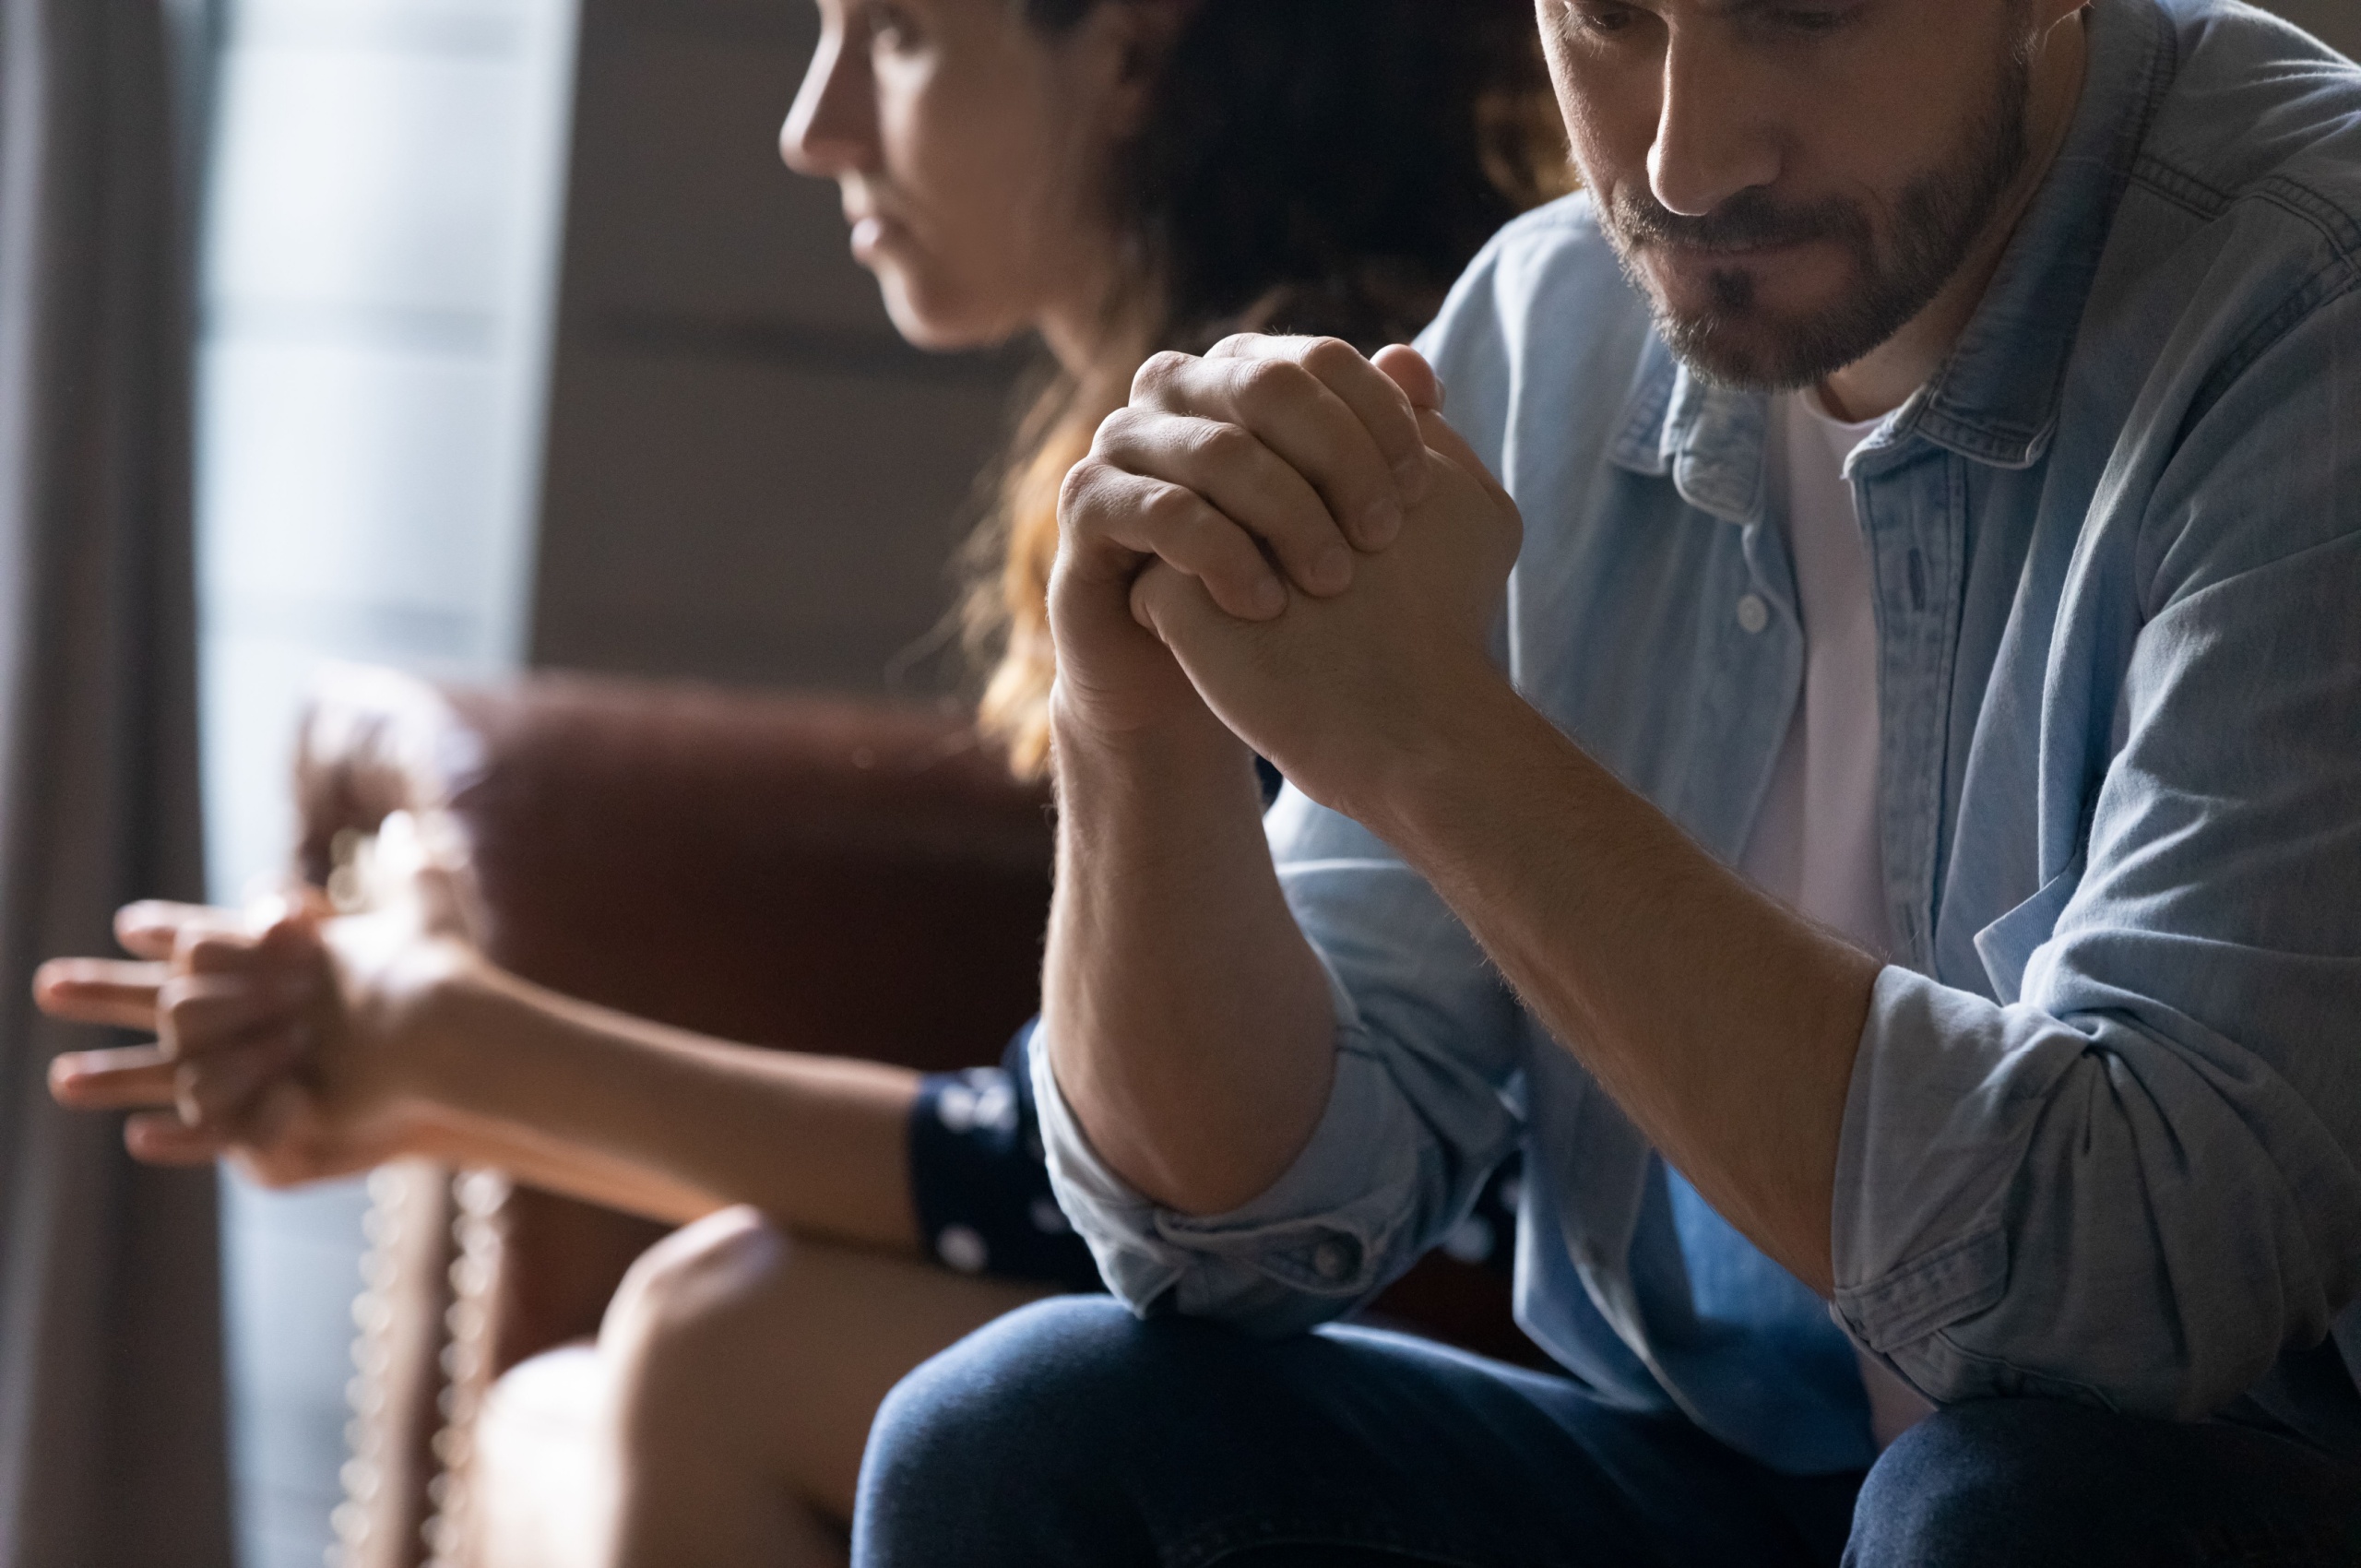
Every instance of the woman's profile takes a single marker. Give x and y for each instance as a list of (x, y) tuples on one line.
[(1113, 177)]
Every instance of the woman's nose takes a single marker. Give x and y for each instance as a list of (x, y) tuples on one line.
[(833, 126)]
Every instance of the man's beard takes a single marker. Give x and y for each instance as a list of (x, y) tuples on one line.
[(1931, 227)]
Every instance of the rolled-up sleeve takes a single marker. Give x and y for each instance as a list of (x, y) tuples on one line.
[(2135, 1177), (1417, 1115)]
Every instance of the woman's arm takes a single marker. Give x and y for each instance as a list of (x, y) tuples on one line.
[(316, 1047), (579, 1096)]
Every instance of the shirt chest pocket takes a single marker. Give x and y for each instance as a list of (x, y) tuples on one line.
[(2008, 944)]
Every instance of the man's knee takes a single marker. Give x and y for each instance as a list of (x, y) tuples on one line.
[(2007, 1481), (1033, 1439), (1021, 1391), (1948, 1493), (688, 1298)]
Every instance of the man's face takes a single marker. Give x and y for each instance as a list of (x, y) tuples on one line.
[(1791, 181)]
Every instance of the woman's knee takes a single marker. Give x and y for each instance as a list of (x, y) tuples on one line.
[(690, 1299)]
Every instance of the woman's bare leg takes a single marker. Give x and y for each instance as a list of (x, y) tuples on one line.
[(743, 1369)]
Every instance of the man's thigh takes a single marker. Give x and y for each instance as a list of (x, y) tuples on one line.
[(1071, 1433), (2010, 1482)]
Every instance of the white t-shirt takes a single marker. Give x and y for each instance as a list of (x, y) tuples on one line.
[(1816, 845)]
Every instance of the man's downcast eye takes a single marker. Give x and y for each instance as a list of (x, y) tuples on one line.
[(1592, 18)]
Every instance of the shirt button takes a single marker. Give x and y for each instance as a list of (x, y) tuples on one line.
[(1754, 615), (962, 1247), (1334, 1258)]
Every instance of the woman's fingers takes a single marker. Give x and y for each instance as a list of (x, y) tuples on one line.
[(198, 1015), (275, 1114), (219, 1091), (152, 928), (160, 1137), (119, 994), (133, 1077)]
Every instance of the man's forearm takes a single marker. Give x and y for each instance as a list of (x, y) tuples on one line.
[(1188, 1022), (1724, 1024)]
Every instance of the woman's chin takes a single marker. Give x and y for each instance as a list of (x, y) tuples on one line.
[(932, 326)]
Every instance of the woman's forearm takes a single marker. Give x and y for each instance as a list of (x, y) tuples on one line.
[(614, 1107), (574, 1170)]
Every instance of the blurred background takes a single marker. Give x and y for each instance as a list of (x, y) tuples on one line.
[(518, 348)]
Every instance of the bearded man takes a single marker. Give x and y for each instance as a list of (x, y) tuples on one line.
[(1890, 850)]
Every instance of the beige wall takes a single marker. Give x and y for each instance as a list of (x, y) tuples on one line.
[(750, 477)]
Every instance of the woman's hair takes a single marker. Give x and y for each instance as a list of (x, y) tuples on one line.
[(1314, 166)]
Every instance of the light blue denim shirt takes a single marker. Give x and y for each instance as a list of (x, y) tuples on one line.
[(2103, 1135)]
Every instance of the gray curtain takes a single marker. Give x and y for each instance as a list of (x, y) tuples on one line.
[(111, 1446)]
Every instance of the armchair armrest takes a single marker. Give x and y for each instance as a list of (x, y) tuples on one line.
[(808, 873)]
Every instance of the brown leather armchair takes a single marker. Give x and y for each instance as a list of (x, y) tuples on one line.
[(803, 873)]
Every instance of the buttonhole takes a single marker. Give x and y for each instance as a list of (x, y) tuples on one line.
[(1918, 581)]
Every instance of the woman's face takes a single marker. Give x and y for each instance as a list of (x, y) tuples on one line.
[(970, 148)]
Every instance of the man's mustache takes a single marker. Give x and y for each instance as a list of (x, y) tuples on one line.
[(1752, 219)]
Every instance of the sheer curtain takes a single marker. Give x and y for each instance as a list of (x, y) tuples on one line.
[(110, 1432)]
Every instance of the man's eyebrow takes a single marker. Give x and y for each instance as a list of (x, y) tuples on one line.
[(1733, 9), (1716, 10)]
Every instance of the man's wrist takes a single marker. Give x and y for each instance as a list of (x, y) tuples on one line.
[(1424, 773), (1187, 742)]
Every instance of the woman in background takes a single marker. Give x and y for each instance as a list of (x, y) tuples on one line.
[(1115, 176)]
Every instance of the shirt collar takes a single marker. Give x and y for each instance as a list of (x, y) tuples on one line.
[(1995, 401)]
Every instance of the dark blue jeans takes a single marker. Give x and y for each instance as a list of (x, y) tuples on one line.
[(1070, 1433)]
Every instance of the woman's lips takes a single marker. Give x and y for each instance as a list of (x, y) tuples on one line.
[(876, 237)]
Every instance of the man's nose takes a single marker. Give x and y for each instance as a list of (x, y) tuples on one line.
[(832, 130), (1713, 141)]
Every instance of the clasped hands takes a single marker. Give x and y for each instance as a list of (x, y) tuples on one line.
[(286, 1034), (1288, 537)]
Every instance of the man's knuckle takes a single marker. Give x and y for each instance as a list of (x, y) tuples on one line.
[(1270, 384), (1160, 372), (1224, 445), (1170, 510), (1076, 486), (1329, 356), (1116, 433)]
